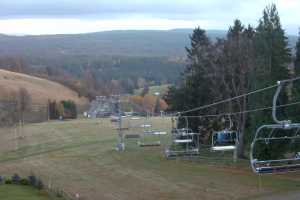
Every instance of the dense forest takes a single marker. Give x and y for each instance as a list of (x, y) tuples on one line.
[(103, 63), (247, 59)]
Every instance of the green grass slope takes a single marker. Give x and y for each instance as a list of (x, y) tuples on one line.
[(17, 192)]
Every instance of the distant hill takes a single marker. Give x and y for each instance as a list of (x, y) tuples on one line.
[(156, 56), (122, 43), (40, 89)]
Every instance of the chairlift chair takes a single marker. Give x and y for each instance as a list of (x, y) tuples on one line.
[(184, 142), (282, 133), (225, 140), (133, 124), (132, 136), (114, 118), (148, 132)]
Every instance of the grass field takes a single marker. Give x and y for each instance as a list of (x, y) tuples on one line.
[(79, 156), (16, 192)]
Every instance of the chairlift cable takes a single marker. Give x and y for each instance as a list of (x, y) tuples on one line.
[(239, 96), (241, 112)]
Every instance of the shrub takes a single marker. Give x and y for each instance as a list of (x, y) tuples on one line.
[(66, 109), (8, 181), (70, 110), (24, 181), (15, 179)]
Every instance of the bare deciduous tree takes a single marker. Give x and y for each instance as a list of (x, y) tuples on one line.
[(24, 103)]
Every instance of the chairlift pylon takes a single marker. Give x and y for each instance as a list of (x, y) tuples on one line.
[(282, 133)]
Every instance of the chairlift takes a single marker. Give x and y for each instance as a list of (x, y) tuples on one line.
[(225, 140), (148, 133), (114, 118), (184, 142), (281, 134), (146, 126), (135, 118), (134, 124)]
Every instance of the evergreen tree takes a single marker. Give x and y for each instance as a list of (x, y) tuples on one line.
[(196, 80), (273, 58), (272, 47), (297, 59), (194, 89), (294, 112)]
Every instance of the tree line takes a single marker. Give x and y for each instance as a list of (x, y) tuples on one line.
[(17, 107), (248, 58), (13, 106), (101, 76)]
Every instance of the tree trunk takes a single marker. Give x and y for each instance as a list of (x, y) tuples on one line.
[(243, 117)]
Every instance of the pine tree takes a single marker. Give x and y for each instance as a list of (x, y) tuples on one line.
[(194, 89), (273, 57), (294, 111), (196, 80), (297, 59), (272, 47)]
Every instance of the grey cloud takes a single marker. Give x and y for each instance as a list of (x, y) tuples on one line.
[(220, 11), (170, 9)]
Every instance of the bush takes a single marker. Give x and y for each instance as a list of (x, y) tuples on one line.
[(24, 181), (66, 109), (31, 180), (70, 110), (15, 179), (8, 181)]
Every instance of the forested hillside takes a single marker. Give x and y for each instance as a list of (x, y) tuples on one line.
[(152, 43), (103, 62), (121, 43)]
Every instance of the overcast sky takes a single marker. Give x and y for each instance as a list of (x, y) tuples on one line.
[(79, 16)]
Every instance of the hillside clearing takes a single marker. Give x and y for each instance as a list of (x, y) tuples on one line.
[(41, 90)]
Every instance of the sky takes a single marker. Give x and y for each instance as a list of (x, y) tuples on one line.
[(38, 17)]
